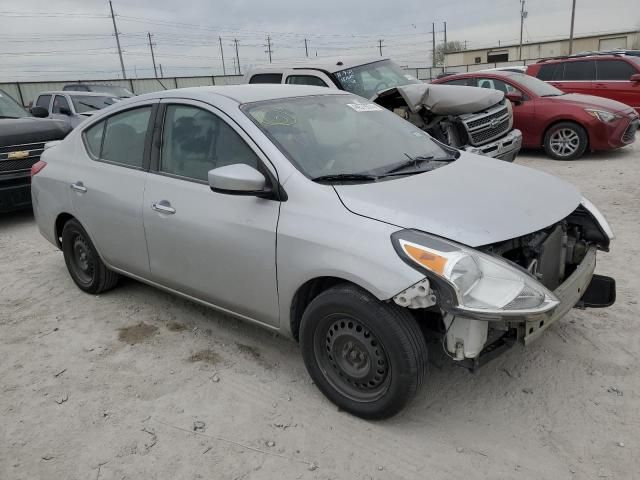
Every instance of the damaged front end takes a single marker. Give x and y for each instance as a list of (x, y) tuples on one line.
[(473, 119), (511, 291)]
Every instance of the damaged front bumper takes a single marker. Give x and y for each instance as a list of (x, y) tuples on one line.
[(505, 148), (581, 289)]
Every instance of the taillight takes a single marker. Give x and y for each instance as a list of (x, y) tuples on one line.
[(36, 167)]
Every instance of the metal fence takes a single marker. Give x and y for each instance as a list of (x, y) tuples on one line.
[(26, 92)]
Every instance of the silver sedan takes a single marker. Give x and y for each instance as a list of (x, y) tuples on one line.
[(325, 217)]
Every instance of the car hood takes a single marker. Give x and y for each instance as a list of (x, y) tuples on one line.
[(591, 101), (443, 99), (21, 131), (474, 200)]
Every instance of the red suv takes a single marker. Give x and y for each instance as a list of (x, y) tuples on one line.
[(565, 125), (614, 76)]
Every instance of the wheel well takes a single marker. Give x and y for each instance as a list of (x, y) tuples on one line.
[(60, 222), (566, 120), (305, 294)]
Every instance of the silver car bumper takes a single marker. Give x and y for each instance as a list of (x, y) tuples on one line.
[(569, 294), (505, 148)]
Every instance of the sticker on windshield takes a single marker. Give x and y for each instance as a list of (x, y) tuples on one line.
[(365, 107)]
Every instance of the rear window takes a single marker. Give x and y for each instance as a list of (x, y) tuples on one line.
[(576, 71), (615, 70), (266, 78)]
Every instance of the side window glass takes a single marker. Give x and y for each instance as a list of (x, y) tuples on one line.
[(43, 101), (266, 78), (93, 139), (305, 80), (496, 85), (460, 81), (576, 71), (614, 70), (195, 141), (60, 102), (124, 137)]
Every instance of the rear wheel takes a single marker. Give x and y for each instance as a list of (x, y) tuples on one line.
[(83, 262), (367, 357), (565, 141)]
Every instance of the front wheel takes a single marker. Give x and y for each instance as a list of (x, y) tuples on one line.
[(367, 357), (85, 266), (565, 141)]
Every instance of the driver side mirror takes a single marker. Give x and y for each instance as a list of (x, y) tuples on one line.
[(635, 77), (238, 179), (515, 97), (39, 112), (65, 111)]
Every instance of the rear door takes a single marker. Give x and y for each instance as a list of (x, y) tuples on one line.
[(108, 185), (216, 247), (577, 77), (613, 81)]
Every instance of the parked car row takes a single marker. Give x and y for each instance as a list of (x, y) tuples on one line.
[(323, 216)]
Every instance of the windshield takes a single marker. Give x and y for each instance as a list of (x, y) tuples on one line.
[(341, 135), (368, 80), (87, 103), (9, 108), (535, 85), (111, 90)]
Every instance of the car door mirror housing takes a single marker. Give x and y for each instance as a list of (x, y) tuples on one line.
[(65, 111), (635, 77), (39, 112), (238, 179), (515, 97)]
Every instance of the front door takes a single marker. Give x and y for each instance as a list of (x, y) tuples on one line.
[(215, 247)]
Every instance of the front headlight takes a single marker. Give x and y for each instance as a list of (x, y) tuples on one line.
[(481, 283), (602, 115)]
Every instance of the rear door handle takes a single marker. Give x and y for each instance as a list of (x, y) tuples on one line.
[(78, 187), (163, 207)]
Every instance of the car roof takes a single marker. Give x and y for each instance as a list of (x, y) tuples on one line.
[(244, 93), (328, 64), (72, 93)]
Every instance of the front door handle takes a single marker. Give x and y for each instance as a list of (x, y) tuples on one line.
[(163, 207), (78, 187)]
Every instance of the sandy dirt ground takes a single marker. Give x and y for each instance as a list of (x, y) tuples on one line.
[(137, 384)]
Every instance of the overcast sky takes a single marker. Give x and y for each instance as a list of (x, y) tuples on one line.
[(68, 39)]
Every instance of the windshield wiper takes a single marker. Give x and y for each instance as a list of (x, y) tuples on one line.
[(7, 116), (89, 105), (553, 95), (346, 177)]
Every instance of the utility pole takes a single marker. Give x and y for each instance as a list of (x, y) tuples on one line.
[(268, 45), (161, 74), (153, 58), (573, 17), (380, 46), (235, 41), (115, 30), (306, 48), (433, 44), (445, 37), (224, 69), (523, 15)]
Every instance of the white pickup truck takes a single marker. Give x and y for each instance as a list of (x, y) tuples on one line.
[(468, 118)]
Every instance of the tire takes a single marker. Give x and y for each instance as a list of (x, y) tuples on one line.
[(345, 332), (565, 141), (83, 262)]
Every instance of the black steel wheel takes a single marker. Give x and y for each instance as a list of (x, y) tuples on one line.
[(366, 356), (83, 262)]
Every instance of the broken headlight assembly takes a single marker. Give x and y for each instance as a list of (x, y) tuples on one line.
[(472, 281)]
